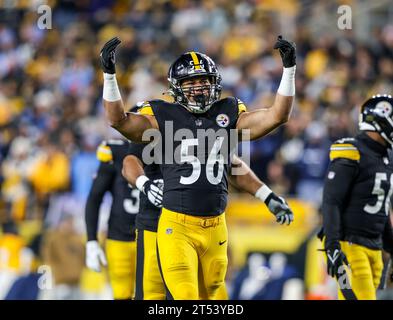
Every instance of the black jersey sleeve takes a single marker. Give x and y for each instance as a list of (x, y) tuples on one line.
[(101, 184), (388, 237), (341, 174)]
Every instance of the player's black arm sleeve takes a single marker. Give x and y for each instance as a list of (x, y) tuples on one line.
[(388, 237), (101, 184), (341, 173)]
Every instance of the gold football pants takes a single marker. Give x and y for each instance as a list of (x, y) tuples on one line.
[(121, 267), (366, 269), (192, 255)]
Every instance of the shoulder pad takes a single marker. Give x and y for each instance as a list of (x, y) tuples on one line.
[(117, 142), (344, 148), (346, 140), (228, 100), (104, 152), (241, 106), (146, 109)]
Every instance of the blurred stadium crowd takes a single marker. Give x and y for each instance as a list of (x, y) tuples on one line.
[(51, 113)]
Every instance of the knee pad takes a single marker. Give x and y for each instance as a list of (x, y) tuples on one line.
[(216, 276), (361, 270), (185, 291), (119, 271), (179, 281)]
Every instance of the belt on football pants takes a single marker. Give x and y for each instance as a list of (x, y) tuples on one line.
[(203, 221)]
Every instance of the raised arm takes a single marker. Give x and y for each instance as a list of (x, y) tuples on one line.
[(262, 121), (247, 181), (130, 125)]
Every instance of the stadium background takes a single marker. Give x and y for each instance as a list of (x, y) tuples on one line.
[(51, 120)]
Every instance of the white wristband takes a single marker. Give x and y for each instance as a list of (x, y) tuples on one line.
[(140, 181), (111, 91), (287, 84), (92, 245), (263, 192)]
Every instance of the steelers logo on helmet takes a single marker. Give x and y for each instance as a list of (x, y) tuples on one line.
[(222, 120), (376, 114), (197, 65), (384, 108)]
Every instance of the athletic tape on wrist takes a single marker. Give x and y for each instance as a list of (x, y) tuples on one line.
[(140, 182), (263, 192), (287, 84), (111, 91)]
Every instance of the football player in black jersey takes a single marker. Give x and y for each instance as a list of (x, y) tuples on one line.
[(148, 179), (192, 232), (356, 201), (148, 282), (120, 244)]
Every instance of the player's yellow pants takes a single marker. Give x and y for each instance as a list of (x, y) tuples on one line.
[(221, 294), (121, 267), (366, 270), (149, 283), (192, 248)]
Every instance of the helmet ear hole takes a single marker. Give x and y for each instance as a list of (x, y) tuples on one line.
[(369, 118)]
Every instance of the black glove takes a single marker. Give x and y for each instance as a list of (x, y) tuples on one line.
[(335, 260), (154, 191), (287, 51), (107, 55), (279, 208)]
